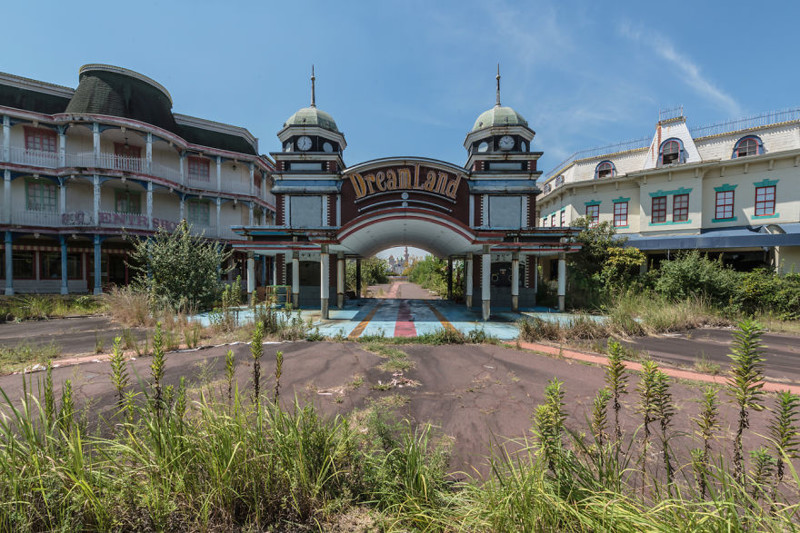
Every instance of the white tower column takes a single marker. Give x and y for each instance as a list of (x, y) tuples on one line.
[(219, 173), (515, 281), (62, 146), (149, 205), (486, 276), (149, 153), (96, 199), (7, 196), (340, 269), (468, 289), (6, 138), (251, 278), (96, 142), (324, 287), (296, 279), (562, 281)]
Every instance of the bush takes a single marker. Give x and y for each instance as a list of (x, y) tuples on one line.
[(179, 269), (764, 291), (431, 273), (374, 271), (692, 275)]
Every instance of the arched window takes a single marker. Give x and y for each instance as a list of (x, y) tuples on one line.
[(671, 152), (604, 170), (750, 145), (547, 188), (560, 180)]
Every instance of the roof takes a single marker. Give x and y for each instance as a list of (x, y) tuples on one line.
[(499, 116), (741, 237), (312, 116), (32, 95)]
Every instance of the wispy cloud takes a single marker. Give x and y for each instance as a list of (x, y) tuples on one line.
[(690, 71)]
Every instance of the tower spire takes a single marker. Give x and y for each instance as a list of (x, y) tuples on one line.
[(498, 85), (313, 88)]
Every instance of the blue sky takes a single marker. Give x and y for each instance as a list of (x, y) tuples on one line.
[(409, 78)]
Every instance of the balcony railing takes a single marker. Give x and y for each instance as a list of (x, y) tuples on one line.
[(36, 158), (129, 164), (35, 218)]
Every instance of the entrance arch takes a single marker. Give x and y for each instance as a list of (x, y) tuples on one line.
[(481, 217)]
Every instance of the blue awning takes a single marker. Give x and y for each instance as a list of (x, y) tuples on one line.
[(768, 235)]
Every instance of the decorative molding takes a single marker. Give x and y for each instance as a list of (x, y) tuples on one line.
[(766, 183), (718, 220), (774, 215), (682, 190), (670, 223), (727, 187), (592, 202), (621, 199)]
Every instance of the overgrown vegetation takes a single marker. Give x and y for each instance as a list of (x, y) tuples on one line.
[(431, 273), (43, 306), (164, 462), (374, 271)]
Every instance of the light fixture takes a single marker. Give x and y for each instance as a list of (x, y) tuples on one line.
[(127, 146)]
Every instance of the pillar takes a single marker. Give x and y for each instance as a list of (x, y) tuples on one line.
[(64, 278), (251, 278), (324, 289), (62, 195), (296, 279), (98, 279), (149, 153), (9, 265), (486, 277), (96, 200), (7, 196), (515, 281), (449, 278), (340, 271), (562, 280), (219, 173), (6, 138), (252, 181), (149, 197), (182, 171), (535, 278), (96, 143), (250, 213), (358, 277), (62, 146), (275, 270), (468, 275), (219, 213), (264, 270), (182, 207)]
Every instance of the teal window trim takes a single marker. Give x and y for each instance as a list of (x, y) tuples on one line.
[(725, 187), (621, 199), (775, 215), (670, 223), (718, 220), (626, 226), (766, 183), (592, 202), (682, 190)]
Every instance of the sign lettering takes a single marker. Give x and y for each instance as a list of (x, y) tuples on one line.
[(401, 179)]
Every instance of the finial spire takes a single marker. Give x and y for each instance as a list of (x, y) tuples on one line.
[(313, 88), (498, 85)]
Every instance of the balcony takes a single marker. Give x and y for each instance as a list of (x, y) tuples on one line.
[(34, 158)]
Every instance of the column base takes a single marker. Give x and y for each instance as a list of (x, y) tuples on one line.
[(340, 301), (64, 290), (97, 291), (561, 303), (486, 309), (296, 300), (515, 303), (9, 291), (468, 300), (324, 309)]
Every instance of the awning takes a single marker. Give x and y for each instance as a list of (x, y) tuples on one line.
[(767, 235)]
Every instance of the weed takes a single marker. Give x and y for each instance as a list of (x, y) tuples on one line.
[(278, 373), (706, 421), (256, 351), (119, 371), (157, 367), (617, 382), (783, 431), (600, 415), (230, 370), (26, 354), (705, 365), (99, 343)]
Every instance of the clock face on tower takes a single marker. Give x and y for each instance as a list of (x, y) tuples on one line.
[(327, 147), (304, 143), (506, 142)]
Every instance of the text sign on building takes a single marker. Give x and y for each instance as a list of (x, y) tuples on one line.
[(407, 178)]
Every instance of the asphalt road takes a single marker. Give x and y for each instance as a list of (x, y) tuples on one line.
[(72, 335)]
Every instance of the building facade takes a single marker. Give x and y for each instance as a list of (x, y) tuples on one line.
[(731, 189), (86, 170), (482, 212)]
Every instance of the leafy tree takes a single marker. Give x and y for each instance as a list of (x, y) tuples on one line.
[(431, 273), (695, 275), (179, 269), (374, 271)]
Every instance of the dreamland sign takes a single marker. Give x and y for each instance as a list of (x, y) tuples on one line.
[(405, 178)]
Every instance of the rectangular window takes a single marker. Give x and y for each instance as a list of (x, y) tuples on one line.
[(659, 211), (724, 205), (544, 222), (199, 169), (23, 265), (620, 214), (74, 266), (127, 157), (40, 195), (765, 200), (127, 202), (593, 214), (199, 213), (680, 208), (553, 220), (40, 140), (49, 265)]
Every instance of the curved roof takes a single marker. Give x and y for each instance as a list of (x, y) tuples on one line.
[(499, 116), (115, 91), (311, 116)]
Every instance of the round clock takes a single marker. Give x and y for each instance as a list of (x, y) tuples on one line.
[(483, 147), (304, 143), (506, 142), (327, 147)]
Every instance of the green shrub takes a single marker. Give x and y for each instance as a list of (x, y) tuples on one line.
[(692, 275), (374, 271)]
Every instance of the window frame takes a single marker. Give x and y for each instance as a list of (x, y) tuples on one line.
[(658, 213), (759, 146), (194, 165), (765, 201), (127, 157), (193, 210), (593, 215), (620, 211), (563, 217), (680, 213), (43, 137), (722, 206), (43, 205), (120, 194), (17, 258), (679, 153), (602, 167)]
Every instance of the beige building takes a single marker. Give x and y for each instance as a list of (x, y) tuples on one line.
[(731, 188), (87, 169)]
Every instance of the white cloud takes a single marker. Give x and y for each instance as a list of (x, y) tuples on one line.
[(691, 73)]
